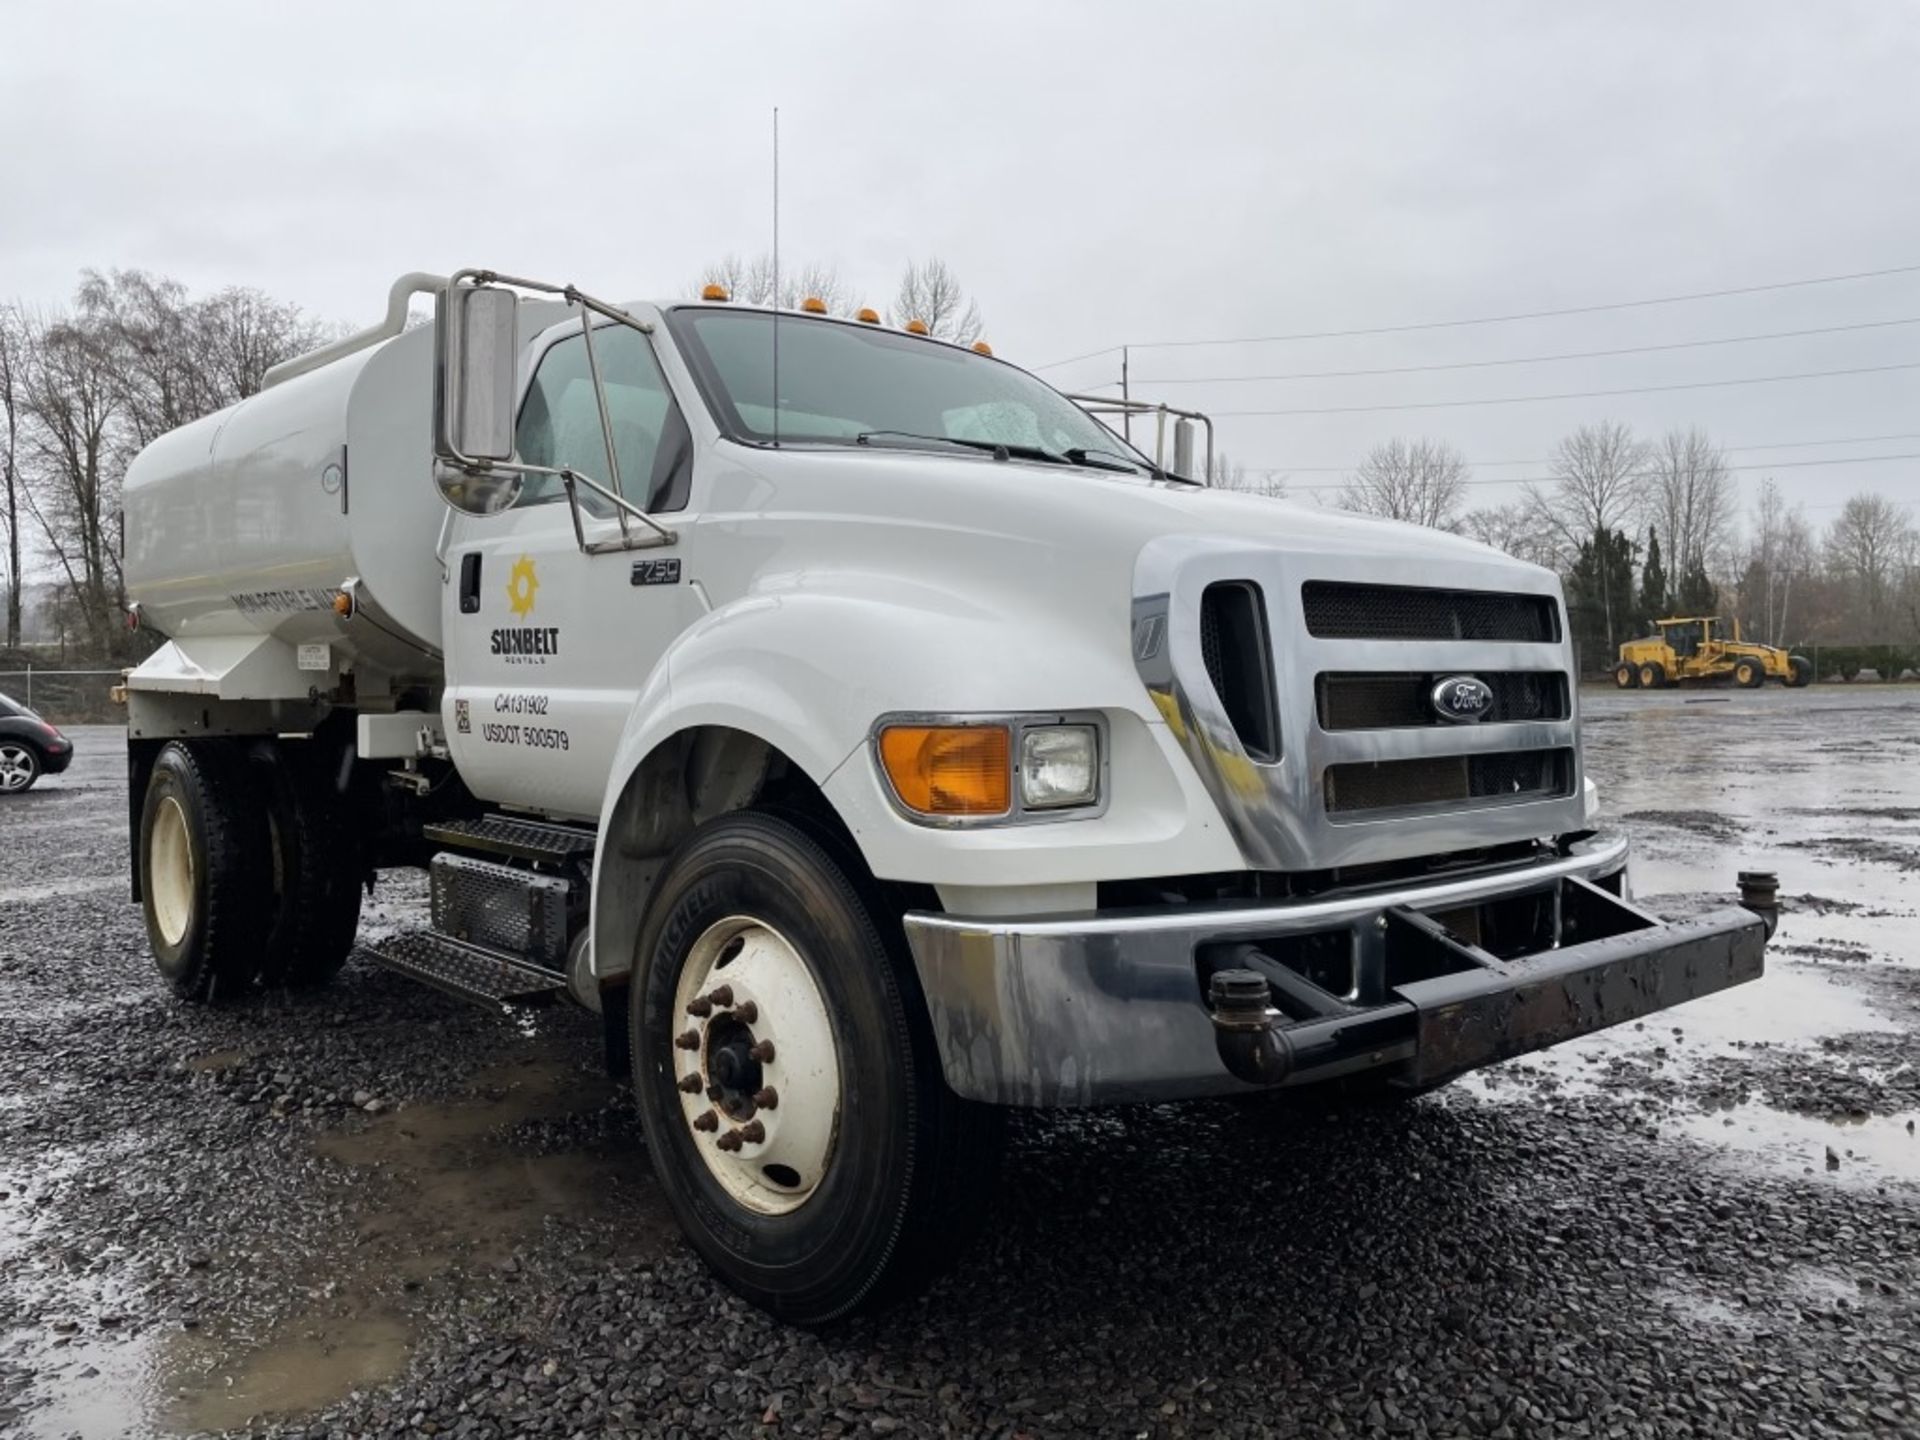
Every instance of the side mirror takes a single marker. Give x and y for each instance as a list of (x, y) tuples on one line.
[(1183, 450), (476, 353)]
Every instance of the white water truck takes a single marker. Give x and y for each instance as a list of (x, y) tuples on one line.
[(871, 737)]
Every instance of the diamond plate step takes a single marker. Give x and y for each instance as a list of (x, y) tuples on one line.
[(465, 970), (514, 838)]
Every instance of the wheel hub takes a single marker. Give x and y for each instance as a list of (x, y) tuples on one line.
[(16, 768), (756, 1066)]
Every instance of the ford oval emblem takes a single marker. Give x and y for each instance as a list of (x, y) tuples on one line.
[(1462, 699)]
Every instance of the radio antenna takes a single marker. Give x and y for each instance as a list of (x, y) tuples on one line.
[(776, 277)]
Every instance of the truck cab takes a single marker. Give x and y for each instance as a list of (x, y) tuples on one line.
[(871, 737)]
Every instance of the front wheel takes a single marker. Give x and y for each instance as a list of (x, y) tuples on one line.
[(787, 1078), (19, 767)]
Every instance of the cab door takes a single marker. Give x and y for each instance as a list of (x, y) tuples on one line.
[(547, 647)]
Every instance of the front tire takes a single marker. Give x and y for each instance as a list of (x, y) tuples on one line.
[(766, 963), (204, 877), (19, 767)]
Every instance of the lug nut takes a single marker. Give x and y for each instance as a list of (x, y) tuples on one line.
[(715, 1094), (723, 996), (688, 1041), (706, 1120), (763, 1051), (767, 1099), (700, 1008), (753, 1132), (746, 1012), (690, 1084), (729, 1141)]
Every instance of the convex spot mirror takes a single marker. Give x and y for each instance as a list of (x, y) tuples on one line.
[(476, 353)]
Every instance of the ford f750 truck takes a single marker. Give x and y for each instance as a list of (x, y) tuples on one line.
[(871, 736)]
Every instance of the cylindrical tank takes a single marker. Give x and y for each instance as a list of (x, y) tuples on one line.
[(250, 520)]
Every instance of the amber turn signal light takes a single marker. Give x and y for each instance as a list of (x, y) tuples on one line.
[(949, 770)]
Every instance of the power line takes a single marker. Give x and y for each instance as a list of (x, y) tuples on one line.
[(1574, 394), (1497, 319), (1549, 479), (1526, 359), (1548, 460)]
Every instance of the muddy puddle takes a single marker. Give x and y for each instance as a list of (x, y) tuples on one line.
[(1868, 1150), (428, 1198)]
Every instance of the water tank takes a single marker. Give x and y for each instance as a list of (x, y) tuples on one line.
[(249, 521)]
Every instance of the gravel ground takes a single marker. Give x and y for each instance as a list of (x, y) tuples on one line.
[(379, 1212)]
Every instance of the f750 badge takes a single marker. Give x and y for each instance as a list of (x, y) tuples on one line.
[(656, 572)]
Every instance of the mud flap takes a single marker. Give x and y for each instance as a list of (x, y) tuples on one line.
[(1487, 1009)]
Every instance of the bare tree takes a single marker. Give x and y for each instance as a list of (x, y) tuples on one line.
[(931, 293), (1779, 561), (1227, 473), (1869, 548), (72, 404), (1423, 482), (12, 380), (1689, 495), (1599, 476), (1512, 528), (752, 282)]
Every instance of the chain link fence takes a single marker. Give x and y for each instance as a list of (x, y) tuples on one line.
[(66, 697)]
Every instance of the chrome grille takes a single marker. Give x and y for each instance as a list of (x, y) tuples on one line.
[(1351, 700), (1344, 610), (1382, 785)]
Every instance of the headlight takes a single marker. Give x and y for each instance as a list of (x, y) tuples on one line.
[(1059, 766), (991, 769)]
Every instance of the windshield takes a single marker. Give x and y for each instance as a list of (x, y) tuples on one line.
[(846, 383)]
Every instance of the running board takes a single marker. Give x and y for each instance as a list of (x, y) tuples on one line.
[(514, 839), (472, 972)]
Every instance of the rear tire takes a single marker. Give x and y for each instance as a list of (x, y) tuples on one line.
[(1747, 674), (19, 767), (1624, 677), (315, 871), (1799, 672), (867, 1215), (204, 870), (1652, 677)]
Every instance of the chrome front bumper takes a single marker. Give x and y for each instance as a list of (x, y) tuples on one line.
[(1111, 1007)]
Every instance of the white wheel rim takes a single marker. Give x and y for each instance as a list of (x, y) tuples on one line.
[(170, 871), (16, 768), (744, 984)]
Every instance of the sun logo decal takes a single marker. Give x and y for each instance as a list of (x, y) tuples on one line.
[(522, 584)]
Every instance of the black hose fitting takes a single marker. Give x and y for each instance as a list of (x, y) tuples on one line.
[(1760, 893), (1247, 1029)]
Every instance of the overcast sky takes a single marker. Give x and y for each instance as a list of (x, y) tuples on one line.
[(1097, 174)]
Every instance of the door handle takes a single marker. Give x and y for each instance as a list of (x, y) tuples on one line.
[(470, 583)]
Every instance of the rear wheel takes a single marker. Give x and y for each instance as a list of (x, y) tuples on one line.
[(19, 767), (203, 868), (315, 870), (787, 1078), (1799, 672), (1652, 677), (1623, 676), (1748, 674)]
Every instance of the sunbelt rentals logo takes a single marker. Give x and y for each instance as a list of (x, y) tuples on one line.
[(525, 644)]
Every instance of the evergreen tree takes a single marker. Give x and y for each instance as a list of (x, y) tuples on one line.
[(1697, 595), (1653, 584), (1600, 597)]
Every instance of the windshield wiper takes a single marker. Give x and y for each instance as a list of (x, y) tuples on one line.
[(999, 449), (1081, 455)]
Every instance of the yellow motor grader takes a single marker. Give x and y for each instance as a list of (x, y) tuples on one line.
[(1696, 647)]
